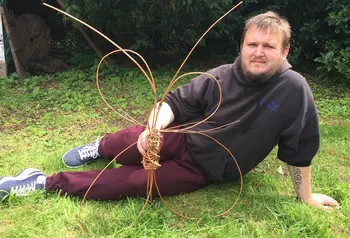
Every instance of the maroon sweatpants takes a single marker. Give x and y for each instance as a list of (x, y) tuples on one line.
[(177, 173)]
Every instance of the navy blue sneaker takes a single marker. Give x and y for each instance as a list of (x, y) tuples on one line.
[(23, 183), (82, 155)]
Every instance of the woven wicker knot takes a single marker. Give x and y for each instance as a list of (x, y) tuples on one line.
[(151, 159)]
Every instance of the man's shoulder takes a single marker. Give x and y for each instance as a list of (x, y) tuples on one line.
[(224, 68), (297, 88), (220, 72), (294, 79)]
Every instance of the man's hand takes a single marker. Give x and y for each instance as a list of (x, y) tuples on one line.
[(142, 144), (322, 201), (301, 177), (165, 118)]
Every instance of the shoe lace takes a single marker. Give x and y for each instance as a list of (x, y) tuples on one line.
[(90, 150), (22, 189)]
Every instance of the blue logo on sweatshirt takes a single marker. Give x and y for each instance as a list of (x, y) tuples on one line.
[(271, 105)]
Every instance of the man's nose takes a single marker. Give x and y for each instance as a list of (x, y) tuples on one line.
[(259, 51)]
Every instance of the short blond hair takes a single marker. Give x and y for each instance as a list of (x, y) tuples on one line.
[(270, 21)]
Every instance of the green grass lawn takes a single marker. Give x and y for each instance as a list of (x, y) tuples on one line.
[(42, 117)]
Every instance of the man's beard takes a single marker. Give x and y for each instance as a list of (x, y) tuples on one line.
[(262, 77)]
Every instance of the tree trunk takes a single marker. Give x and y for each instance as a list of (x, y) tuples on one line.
[(21, 71), (3, 69), (87, 38)]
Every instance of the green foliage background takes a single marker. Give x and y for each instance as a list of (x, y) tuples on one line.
[(321, 29)]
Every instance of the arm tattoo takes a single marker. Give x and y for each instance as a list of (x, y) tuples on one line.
[(297, 177)]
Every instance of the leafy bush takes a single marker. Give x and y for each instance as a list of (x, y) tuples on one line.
[(336, 56), (168, 27), (337, 60)]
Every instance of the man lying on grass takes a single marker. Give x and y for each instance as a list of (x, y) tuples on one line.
[(274, 106)]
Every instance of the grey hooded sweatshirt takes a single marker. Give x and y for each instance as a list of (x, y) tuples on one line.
[(278, 111)]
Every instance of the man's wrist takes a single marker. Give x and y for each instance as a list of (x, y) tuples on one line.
[(305, 199)]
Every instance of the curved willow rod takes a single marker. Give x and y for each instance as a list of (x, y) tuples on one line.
[(151, 176), (151, 173), (93, 182), (172, 129), (113, 43), (183, 63), (183, 125), (220, 96), (240, 177), (173, 81), (127, 117)]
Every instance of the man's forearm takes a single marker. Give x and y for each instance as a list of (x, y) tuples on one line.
[(301, 177), (165, 116)]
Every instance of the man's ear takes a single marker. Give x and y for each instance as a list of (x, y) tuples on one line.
[(286, 52)]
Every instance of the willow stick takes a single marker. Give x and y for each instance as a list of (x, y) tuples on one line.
[(109, 40)]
